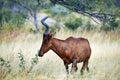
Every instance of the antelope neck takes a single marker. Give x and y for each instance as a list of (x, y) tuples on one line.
[(56, 46)]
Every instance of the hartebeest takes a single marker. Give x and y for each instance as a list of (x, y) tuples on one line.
[(72, 50)]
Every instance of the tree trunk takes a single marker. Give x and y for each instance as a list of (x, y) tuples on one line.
[(36, 22)]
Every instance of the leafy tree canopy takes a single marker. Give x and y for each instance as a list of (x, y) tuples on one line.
[(16, 11), (103, 10)]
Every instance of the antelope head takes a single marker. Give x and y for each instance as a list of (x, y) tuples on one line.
[(47, 36)]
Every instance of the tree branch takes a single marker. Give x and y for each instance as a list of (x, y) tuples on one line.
[(83, 9)]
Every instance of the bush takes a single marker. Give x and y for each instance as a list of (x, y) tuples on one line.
[(73, 23), (111, 25), (7, 16), (89, 26), (22, 62), (5, 64)]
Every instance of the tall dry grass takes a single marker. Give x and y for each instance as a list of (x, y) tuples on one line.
[(104, 63)]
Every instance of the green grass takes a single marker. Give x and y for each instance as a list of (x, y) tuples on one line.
[(104, 63)]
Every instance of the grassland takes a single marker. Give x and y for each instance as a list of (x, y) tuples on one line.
[(104, 63)]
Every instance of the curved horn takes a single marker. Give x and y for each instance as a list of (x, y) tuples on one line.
[(46, 26)]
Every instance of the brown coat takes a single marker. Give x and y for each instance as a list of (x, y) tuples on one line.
[(72, 50)]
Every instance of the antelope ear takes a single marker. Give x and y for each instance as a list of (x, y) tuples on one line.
[(54, 33), (50, 34)]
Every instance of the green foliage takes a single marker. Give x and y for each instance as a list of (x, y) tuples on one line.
[(89, 26), (17, 20), (34, 61), (14, 23), (15, 12), (6, 64), (22, 62), (10, 16), (103, 10), (73, 22), (112, 25)]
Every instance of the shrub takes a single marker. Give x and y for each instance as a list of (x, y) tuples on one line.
[(11, 18), (111, 25), (34, 61), (22, 62), (6, 64), (73, 23), (89, 26)]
